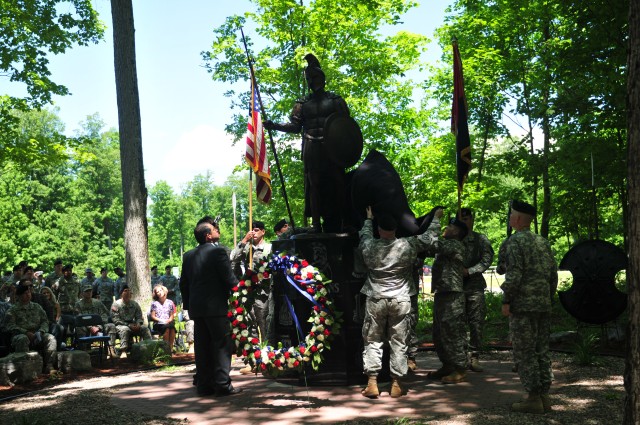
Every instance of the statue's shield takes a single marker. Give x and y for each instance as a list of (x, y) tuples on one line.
[(343, 139)]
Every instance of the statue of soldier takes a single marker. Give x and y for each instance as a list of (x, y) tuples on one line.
[(324, 168)]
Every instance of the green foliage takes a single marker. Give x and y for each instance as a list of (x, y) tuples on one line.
[(70, 209), (584, 350), (31, 31)]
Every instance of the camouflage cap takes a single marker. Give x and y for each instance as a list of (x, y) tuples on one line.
[(86, 287)]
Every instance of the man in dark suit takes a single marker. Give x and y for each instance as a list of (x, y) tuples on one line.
[(205, 283)]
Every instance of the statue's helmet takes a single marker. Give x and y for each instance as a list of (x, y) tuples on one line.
[(313, 73)]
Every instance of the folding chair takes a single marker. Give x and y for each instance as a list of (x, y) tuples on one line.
[(102, 340)]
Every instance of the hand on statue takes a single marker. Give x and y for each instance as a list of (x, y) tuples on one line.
[(438, 214), (369, 212)]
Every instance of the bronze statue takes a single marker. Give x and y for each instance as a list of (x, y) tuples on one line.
[(324, 168)]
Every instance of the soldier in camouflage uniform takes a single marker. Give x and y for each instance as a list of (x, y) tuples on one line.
[(28, 325), (105, 287), (69, 290), (89, 305), (478, 256), (412, 336), (170, 282), (155, 277), (52, 278), (449, 333), (254, 240), (127, 317), (531, 280), (89, 279), (388, 288), (121, 281)]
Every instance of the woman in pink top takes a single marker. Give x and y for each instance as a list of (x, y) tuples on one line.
[(163, 313)]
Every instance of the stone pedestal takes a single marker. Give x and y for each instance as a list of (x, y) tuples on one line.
[(19, 368), (73, 361), (333, 255)]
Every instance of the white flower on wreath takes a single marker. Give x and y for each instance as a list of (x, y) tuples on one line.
[(318, 277), (320, 328), (320, 338), (244, 333), (320, 346), (240, 318), (328, 322), (323, 313)]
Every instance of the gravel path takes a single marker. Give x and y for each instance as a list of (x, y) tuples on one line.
[(586, 396)]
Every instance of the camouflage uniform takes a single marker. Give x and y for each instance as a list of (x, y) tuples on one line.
[(89, 281), (449, 333), (93, 306), (119, 284), (530, 282), (478, 256), (51, 281), (264, 305), (412, 336), (105, 288), (388, 288), (23, 318), (171, 283), (125, 314), (189, 326), (69, 294), (155, 280)]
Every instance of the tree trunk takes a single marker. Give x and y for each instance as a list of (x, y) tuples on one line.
[(133, 187), (632, 369)]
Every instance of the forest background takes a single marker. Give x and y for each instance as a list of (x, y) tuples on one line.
[(559, 66)]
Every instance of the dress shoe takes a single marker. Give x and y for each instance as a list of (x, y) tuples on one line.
[(228, 391)]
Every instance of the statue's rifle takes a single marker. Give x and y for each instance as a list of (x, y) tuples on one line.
[(273, 146)]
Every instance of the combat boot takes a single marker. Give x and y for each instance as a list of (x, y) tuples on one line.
[(112, 353), (396, 388), (372, 388), (546, 403), (532, 404), (474, 364), (412, 365), (440, 373), (454, 377)]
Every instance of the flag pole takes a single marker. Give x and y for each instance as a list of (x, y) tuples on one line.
[(271, 144), (234, 204), (250, 217)]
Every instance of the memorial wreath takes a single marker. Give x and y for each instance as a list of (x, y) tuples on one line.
[(311, 284)]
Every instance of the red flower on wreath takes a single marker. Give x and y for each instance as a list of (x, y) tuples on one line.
[(314, 348), (305, 263), (239, 310)]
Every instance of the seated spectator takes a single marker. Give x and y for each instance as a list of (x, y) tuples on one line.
[(29, 327), (127, 317), (189, 327), (89, 305), (55, 328), (163, 313)]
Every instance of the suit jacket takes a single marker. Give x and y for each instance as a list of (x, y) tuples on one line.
[(206, 281)]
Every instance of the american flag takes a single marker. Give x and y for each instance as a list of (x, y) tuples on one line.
[(459, 124), (256, 154)]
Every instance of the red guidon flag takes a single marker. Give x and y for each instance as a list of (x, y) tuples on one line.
[(459, 124), (256, 154)]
